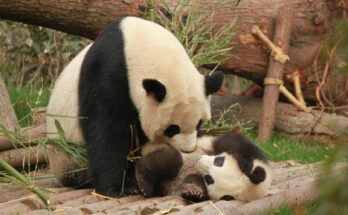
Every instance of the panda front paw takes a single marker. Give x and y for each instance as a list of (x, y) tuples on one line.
[(146, 187), (193, 193), (131, 190)]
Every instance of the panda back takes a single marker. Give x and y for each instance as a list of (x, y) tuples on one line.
[(155, 53), (63, 104)]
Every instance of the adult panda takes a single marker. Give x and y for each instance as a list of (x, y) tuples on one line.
[(135, 82), (220, 168)]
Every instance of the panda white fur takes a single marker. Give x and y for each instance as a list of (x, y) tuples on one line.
[(136, 74), (221, 168)]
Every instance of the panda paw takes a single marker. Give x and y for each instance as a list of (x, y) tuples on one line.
[(145, 188), (131, 190), (192, 192)]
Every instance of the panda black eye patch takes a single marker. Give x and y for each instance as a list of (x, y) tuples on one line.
[(227, 198), (208, 179), (172, 130), (219, 161)]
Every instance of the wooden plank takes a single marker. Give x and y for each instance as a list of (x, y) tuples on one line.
[(159, 203), (30, 201), (100, 205)]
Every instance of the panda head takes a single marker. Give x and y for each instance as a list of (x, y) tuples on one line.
[(220, 173), (172, 112), (226, 181)]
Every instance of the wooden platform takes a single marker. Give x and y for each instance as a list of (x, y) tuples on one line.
[(292, 184)]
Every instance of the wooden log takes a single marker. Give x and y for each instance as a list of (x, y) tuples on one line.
[(98, 206), (310, 176), (32, 202), (283, 29), (29, 202), (292, 197), (10, 192), (8, 117), (28, 133), (89, 199), (24, 156), (249, 57), (288, 118), (60, 198), (151, 204)]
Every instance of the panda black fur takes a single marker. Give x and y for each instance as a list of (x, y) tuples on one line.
[(221, 168), (136, 74)]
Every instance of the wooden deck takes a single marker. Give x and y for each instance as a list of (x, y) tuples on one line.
[(292, 183)]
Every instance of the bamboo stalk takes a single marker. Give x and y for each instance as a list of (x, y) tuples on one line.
[(295, 77), (292, 99), (276, 52), (40, 193)]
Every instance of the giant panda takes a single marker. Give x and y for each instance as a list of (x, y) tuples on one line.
[(134, 83), (220, 168)]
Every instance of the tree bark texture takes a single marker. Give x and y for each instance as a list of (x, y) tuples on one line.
[(288, 118), (250, 58), (8, 117), (24, 156), (27, 133), (281, 39)]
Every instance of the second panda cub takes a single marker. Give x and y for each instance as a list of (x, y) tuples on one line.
[(221, 168)]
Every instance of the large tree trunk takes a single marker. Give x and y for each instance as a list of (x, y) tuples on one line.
[(312, 19)]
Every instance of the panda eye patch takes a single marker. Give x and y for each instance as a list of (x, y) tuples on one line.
[(219, 161), (208, 179), (172, 130), (227, 198)]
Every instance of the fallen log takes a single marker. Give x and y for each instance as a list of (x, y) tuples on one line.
[(28, 134), (293, 197), (24, 156), (288, 118), (249, 58)]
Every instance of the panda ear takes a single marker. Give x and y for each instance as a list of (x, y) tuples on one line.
[(155, 88), (213, 82)]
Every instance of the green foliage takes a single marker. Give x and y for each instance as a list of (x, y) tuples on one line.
[(280, 148), (337, 41), (205, 42), (26, 99), (30, 53), (77, 152), (333, 189)]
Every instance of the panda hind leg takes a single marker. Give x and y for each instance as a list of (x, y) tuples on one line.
[(155, 168), (193, 188)]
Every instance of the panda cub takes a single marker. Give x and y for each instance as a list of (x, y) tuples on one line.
[(221, 168)]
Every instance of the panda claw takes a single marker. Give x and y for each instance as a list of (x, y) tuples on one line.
[(192, 192)]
